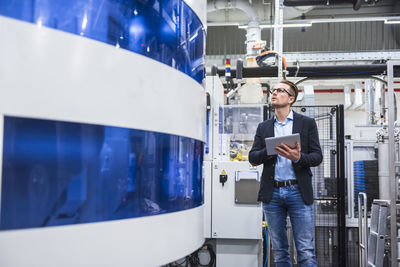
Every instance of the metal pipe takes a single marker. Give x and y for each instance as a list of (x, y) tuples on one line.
[(356, 3), (332, 71), (278, 34)]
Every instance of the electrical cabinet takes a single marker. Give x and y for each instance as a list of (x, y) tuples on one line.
[(231, 219)]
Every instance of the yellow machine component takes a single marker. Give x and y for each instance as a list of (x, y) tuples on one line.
[(239, 155)]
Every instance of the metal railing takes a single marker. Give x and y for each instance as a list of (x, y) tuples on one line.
[(363, 229)]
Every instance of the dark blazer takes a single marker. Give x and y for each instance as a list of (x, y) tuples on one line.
[(311, 156)]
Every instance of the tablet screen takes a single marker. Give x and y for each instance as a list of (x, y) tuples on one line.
[(272, 142)]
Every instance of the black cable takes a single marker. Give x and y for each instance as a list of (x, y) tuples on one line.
[(195, 261), (177, 264)]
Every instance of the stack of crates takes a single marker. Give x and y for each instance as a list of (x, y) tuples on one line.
[(366, 180)]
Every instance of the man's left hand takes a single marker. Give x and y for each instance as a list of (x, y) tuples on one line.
[(290, 153)]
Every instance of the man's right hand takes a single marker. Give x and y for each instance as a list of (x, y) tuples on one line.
[(290, 153)]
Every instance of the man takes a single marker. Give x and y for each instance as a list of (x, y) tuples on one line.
[(286, 187)]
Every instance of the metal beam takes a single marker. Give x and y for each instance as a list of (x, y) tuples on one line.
[(392, 169)]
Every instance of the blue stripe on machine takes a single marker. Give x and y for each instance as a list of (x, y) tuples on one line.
[(165, 30), (61, 173)]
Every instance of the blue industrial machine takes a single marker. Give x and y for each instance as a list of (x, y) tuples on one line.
[(102, 113)]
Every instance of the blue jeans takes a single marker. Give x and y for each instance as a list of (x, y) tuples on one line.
[(287, 200)]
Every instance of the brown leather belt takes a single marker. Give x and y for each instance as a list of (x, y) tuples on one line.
[(284, 183)]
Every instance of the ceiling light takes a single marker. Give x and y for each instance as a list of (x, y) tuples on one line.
[(222, 24), (289, 25), (336, 20), (392, 21)]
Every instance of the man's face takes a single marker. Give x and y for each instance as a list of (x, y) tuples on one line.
[(281, 95)]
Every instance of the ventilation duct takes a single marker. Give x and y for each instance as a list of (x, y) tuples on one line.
[(356, 3), (347, 96), (251, 10), (253, 35), (251, 92), (358, 98), (244, 6)]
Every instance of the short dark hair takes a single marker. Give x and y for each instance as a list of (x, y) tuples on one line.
[(294, 88)]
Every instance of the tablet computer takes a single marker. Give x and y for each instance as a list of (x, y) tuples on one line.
[(272, 142)]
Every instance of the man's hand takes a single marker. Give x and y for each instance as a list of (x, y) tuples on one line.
[(290, 153)]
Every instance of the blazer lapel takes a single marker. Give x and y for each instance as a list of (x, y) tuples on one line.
[(270, 128), (297, 123)]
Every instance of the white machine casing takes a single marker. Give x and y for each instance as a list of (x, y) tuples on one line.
[(49, 74)]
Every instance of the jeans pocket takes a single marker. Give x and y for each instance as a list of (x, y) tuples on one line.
[(295, 187)]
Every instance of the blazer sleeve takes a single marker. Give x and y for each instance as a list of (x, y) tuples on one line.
[(314, 156), (258, 152)]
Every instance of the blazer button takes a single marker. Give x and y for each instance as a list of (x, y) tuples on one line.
[(273, 164), (272, 177)]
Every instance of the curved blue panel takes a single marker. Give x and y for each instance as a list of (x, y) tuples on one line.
[(59, 173), (164, 30)]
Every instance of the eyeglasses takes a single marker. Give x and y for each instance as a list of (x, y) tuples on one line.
[(279, 90)]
